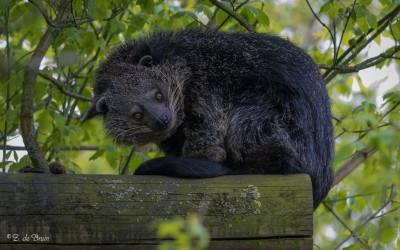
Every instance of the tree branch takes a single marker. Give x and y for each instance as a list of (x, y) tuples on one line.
[(42, 10), (6, 16), (62, 90), (233, 14), (235, 10), (31, 71), (363, 65), (348, 167), (382, 24)]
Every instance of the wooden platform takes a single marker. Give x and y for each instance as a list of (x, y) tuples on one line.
[(112, 212)]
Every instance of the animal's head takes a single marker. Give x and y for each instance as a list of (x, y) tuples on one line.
[(139, 102)]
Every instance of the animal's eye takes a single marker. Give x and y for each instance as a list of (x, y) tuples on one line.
[(159, 96), (138, 116)]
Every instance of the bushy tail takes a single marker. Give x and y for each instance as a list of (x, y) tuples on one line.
[(182, 167)]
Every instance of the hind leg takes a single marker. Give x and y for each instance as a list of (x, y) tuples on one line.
[(257, 142)]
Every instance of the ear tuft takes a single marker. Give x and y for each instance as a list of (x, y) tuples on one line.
[(146, 60)]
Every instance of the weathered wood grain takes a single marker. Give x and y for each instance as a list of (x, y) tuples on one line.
[(252, 211)]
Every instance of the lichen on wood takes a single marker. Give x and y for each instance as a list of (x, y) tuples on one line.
[(110, 209)]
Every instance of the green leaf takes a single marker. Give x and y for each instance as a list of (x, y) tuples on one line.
[(45, 120), (351, 247), (101, 8), (7, 155), (91, 8), (102, 44), (205, 9), (72, 33), (396, 30), (360, 84), (4, 164), (191, 15), (363, 24), (334, 9), (263, 18), (96, 155), (23, 162), (88, 42), (324, 8), (15, 156), (178, 15), (365, 2), (389, 232), (370, 231), (352, 42), (12, 116), (371, 20), (378, 39), (360, 11), (146, 5), (138, 21), (385, 3), (110, 148), (253, 10)]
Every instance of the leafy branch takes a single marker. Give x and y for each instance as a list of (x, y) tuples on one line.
[(370, 62), (343, 223), (234, 9), (349, 166), (61, 88), (360, 44), (360, 156), (378, 213), (233, 14), (43, 11)]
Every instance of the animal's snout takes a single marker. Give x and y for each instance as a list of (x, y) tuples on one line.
[(164, 119)]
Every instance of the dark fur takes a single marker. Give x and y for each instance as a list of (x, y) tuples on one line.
[(235, 103)]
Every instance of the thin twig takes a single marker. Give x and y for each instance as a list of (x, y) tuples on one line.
[(342, 222), (240, 19), (372, 217), (235, 10), (43, 11), (6, 16), (384, 115), (382, 24), (323, 24), (363, 65), (344, 29), (61, 88), (128, 159)]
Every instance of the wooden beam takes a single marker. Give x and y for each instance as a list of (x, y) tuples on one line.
[(257, 211)]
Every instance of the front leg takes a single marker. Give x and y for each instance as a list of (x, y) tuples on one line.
[(206, 128)]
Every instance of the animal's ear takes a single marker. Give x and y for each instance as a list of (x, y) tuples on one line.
[(146, 60), (96, 108)]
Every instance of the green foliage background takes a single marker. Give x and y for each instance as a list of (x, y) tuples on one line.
[(361, 211)]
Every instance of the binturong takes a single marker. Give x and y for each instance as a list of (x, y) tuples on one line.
[(218, 103)]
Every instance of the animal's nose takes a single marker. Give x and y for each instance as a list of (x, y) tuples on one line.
[(164, 119)]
